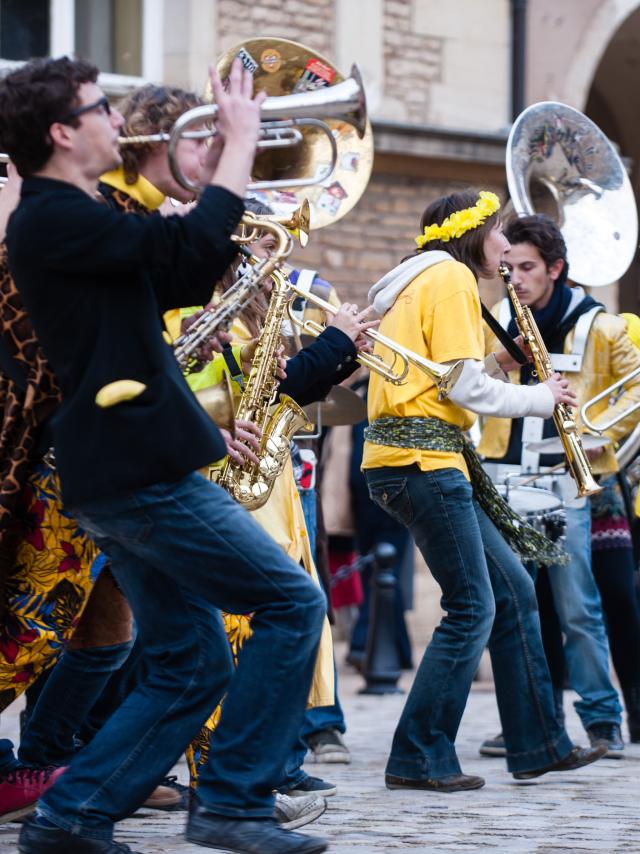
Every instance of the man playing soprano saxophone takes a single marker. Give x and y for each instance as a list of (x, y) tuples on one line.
[(566, 316)]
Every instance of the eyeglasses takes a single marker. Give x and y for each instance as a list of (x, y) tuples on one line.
[(101, 104)]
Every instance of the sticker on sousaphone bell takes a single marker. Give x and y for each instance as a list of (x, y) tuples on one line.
[(248, 62), (271, 60)]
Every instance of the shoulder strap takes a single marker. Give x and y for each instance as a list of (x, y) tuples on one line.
[(503, 336), (305, 279)]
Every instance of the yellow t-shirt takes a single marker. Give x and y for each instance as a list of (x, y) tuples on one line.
[(438, 316)]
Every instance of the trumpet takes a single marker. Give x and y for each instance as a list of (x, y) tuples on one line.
[(299, 223), (444, 376), (606, 425), (282, 116)]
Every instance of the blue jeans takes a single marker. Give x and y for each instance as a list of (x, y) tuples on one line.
[(7, 756), (74, 685), (309, 500), (488, 597), (181, 552), (315, 720), (577, 601)]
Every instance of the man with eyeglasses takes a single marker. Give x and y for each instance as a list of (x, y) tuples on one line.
[(95, 289)]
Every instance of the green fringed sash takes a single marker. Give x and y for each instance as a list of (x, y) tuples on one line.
[(433, 434)]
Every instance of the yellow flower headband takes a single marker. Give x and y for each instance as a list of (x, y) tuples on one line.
[(461, 221)]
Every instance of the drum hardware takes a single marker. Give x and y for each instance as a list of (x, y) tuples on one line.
[(553, 445), (341, 406), (539, 507)]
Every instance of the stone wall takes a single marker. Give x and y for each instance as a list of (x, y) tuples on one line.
[(376, 234), (309, 21), (412, 62)]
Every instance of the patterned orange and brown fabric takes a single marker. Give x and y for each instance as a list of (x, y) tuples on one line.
[(54, 569), (47, 564), (22, 411)]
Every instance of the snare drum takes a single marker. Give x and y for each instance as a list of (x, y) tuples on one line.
[(540, 508)]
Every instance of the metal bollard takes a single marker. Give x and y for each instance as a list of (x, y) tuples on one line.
[(382, 668)]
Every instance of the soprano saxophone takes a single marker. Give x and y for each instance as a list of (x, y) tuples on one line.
[(562, 416), (250, 483)]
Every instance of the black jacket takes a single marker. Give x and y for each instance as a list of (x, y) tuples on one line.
[(95, 284)]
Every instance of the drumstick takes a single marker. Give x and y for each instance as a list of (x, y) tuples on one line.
[(533, 477)]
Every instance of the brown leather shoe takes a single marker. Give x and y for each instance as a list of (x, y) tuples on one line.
[(578, 757), (164, 798), (453, 783)]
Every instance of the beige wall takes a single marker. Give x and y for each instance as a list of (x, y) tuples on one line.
[(470, 44), (424, 62)]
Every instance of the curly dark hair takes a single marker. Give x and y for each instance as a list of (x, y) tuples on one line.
[(469, 248), (542, 232), (32, 98), (147, 110)]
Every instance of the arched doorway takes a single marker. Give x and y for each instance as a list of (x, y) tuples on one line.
[(612, 105)]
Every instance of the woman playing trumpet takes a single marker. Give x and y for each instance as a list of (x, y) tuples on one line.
[(422, 472)]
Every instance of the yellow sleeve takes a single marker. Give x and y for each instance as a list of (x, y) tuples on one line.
[(213, 372), (174, 317)]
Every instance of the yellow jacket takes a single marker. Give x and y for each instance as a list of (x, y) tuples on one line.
[(609, 355)]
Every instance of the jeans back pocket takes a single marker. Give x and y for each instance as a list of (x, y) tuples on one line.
[(393, 496)]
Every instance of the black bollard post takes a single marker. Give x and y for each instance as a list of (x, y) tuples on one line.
[(382, 663)]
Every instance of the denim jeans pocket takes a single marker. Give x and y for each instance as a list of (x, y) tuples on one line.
[(393, 496)]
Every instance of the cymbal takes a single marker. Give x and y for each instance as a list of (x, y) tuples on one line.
[(342, 406), (553, 445)]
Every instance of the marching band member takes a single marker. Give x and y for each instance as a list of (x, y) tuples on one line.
[(308, 376), (423, 472), (128, 471), (51, 601), (593, 349)]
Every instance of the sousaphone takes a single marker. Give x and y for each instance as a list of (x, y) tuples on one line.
[(282, 67), (560, 163)]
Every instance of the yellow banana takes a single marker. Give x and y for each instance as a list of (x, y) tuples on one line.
[(118, 392)]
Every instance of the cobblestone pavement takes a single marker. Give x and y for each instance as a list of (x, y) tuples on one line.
[(593, 809)]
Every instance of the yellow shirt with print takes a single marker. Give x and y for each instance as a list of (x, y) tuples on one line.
[(438, 315)]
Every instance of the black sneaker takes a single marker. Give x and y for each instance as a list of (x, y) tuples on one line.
[(311, 786), (35, 839), (246, 836), (609, 735), (493, 746), (328, 746)]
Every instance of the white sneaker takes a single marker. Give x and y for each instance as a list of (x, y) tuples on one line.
[(296, 812)]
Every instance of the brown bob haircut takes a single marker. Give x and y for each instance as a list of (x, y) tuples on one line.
[(469, 248), (150, 109)]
